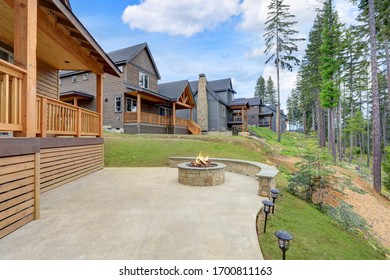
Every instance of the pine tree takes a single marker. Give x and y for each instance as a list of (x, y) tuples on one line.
[(260, 88), (280, 44), (270, 92), (330, 93)]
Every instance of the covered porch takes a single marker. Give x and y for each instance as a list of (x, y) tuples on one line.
[(49, 142), (239, 117), (144, 110)]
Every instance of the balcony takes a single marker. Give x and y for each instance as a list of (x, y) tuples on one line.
[(11, 78), (148, 118), (62, 119)]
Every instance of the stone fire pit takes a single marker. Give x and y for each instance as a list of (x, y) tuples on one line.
[(201, 176)]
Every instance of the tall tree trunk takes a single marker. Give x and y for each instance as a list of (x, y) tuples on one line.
[(321, 126), (361, 146), (313, 117), (331, 136), (376, 129), (304, 122), (368, 133), (329, 132), (339, 141), (278, 121), (388, 80)]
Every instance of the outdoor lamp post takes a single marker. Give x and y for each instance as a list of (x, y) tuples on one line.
[(267, 208), (284, 238), (274, 195)]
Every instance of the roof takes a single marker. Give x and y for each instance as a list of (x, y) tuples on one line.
[(238, 102), (220, 85), (136, 88), (172, 90), (272, 107), (253, 101), (126, 55), (63, 10)]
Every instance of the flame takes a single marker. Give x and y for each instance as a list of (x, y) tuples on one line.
[(201, 160)]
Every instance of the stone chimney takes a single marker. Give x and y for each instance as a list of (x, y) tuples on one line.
[(202, 107)]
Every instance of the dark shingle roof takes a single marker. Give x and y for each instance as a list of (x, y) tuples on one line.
[(253, 101), (127, 54), (172, 90), (220, 85)]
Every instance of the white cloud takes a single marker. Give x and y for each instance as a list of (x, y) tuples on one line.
[(255, 52), (179, 17)]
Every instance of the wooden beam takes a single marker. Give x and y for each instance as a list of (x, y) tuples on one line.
[(48, 5), (184, 105), (25, 46), (138, 108), (60, 37), (65, 22), (99, 102), (174, 114)]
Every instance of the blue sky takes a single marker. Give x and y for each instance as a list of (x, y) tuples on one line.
[(221, 38)]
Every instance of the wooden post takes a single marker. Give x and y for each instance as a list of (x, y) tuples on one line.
[(138, 108), (37, 187), (174, 114), (75, 101), (242, 117), (25, 45), (99, 101), (43, 116), (78, 134)]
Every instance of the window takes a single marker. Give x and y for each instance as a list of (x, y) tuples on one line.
[(118, 104), (166, 112), (143, 80), (223, 111), (120, 67), (85, 76), (131, 105), (74, 79)]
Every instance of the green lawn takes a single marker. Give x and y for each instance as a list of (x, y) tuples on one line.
[(316, 236), (152, 150)]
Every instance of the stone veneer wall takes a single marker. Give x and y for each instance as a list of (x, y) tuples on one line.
[(201, 177), (265, 174)]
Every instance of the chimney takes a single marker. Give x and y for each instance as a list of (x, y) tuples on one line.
[(202, 103)]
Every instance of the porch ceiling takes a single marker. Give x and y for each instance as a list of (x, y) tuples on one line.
[(62, 41), (147, 96)]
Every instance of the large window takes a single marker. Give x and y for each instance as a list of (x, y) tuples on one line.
[(166, 112), (143, 80), (118, 104), (131, 105)]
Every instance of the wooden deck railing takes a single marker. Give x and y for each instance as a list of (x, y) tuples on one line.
[(193, 127), (11, 78), (59, 118), (131, 117)]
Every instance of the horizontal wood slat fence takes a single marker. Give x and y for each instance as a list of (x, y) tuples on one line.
[(23, 178)]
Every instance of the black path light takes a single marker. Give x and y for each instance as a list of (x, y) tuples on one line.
[(284, 238), (274, 196), (267, 208)]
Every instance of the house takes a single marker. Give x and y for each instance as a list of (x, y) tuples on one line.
[(48, 142), (264, 115), (216, 108), (133, 102)]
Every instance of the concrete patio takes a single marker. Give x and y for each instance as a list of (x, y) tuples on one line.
[(142, 213)]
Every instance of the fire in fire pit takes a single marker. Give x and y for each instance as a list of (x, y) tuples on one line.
[(201, 161)]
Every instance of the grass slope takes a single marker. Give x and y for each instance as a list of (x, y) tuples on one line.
[(316, 236)]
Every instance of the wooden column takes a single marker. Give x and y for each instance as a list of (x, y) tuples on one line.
[(25, 46), (242, 119), (75, 101), (174, 114), (138, 108), (99, 101)]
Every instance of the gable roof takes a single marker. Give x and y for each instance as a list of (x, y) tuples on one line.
[(220, 85), (253, 101), (172, 90), (126, 55)]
